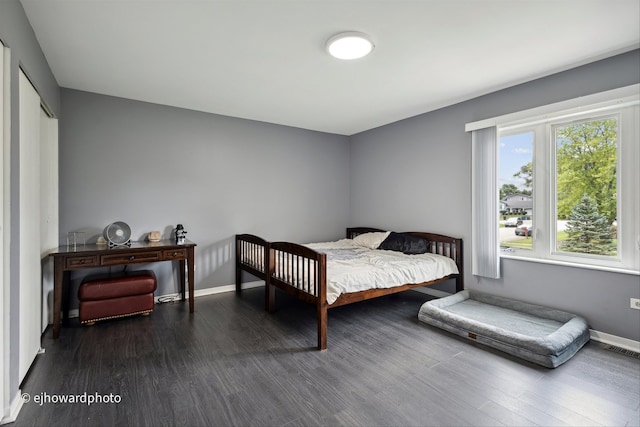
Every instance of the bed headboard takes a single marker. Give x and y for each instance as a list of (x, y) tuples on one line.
[(356, 231)]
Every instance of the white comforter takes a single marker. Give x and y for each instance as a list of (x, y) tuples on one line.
[(352, 268)]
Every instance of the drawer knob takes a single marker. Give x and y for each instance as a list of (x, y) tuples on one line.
[(175, 254), (82, 261), (131, 258)]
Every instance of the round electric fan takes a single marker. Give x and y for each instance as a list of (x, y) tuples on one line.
[(117, 234)]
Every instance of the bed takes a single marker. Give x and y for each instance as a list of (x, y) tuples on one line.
[(318, 273)]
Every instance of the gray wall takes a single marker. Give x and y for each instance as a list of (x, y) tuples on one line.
[(415, 174), (16, 33), (155, 166)]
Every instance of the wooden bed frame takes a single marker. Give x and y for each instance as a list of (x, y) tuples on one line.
[(257, 257)]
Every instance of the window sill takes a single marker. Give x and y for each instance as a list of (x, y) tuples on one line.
[(573, 264)]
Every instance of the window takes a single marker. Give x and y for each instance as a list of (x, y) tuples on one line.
[(566, 177), (565, 191), (515, 178), (586, 159)]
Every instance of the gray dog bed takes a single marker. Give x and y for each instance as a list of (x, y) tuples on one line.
[(535, 333)]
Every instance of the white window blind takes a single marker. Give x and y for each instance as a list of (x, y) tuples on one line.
[(485, 259)]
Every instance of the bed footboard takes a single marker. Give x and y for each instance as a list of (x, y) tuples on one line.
[(300, 272), (252, 256)]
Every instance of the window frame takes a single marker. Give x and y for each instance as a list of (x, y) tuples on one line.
[(587, 117), (544, 221), (534, 193), (625, 103)]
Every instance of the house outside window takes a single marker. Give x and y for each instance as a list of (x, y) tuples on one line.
[(518, 204)]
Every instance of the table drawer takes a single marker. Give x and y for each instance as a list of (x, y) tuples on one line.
[(175, 254), (119, 259), (81, 262)]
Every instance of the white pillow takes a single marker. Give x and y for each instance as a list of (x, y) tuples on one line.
[(371, 240)]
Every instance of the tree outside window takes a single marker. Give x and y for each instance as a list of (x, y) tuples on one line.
[(586, 186)]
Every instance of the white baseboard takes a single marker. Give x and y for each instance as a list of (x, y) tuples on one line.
[(14, 409), (602, 337), (227, 288), (621, 342), (209, 291)]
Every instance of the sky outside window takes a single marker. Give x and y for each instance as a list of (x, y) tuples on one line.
[(515, 152)]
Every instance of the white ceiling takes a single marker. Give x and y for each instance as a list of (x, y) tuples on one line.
[(265, 59)]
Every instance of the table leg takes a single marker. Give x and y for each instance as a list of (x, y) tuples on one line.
[(58, 282), (182, 280), (190, 268)]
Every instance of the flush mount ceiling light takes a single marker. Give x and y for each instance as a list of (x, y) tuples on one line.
[(349, 45)]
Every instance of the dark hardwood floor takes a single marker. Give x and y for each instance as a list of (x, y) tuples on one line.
[(231, 363)]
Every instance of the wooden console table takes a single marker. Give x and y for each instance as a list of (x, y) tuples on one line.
[(66, 259)]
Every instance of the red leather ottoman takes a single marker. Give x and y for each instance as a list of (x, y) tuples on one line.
[(110, 296)]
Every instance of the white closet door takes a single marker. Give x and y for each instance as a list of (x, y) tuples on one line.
[(48, 210), (29, 232), (4, 282)]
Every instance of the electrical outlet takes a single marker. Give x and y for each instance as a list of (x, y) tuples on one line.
[(635, 303)]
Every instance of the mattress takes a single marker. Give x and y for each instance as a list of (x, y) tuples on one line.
[(539, 334), (353, 268)]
